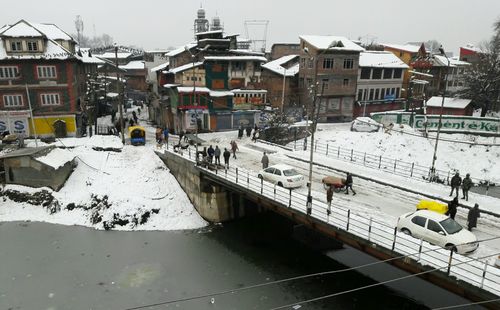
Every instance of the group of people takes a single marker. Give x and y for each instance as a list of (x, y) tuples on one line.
[(212, 155), (329, 191), (161, 136), (466, 184), (248, 130)]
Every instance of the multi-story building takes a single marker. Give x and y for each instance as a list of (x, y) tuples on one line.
[(380, 81), (41, 65), (279, 50), (407, 53), (470, 54), (333, 63), (280, 79)]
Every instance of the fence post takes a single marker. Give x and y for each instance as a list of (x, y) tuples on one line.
[(338, 153), (236, 175), (315, 146), (484, 274), (412, 166), (189, 153), (364, 159), (449, 262), (395, 235), (274, 191), (395, 161), (295, 142), (290, 201), (348, 218), (352, 151), (370, 229), (380, 161), (261, 185), (216, 171), (248, 178), (420, 248), (225, 170), (327, 149)]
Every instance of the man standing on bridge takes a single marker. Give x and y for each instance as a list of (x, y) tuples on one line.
[(348, 184), (265, 161), (455, 183), (329, 196)]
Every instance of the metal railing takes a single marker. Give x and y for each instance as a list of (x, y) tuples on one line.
[(387, 164), (475, 272)]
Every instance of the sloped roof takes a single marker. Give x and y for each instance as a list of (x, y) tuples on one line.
[(189, 89), (324, 42), (134, 65), (237, 58), (21, 29), (404, 47), (181, 49), (160, 67), (111, 55), (53, 32), (454, 62), (276, 66), (185, 67), (380, 59), (452, 103)]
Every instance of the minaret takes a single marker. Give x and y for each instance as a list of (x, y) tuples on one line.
[(201, 23)]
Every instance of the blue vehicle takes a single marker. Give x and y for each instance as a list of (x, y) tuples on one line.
[(137, 135)]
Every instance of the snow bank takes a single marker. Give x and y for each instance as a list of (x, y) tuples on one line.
[(56, 158)]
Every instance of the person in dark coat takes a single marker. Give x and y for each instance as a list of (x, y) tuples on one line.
[(217, 155), (472, 217), (265, 161), (134, 116), (466, 186), (234, 148), (249, 131), (455, 183), (348, 184), (211, 153), (452, 208), (240, 132), (165, 135), (329, 196), (226, 155)]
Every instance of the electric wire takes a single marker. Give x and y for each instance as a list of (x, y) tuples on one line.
[(468, 304), (373, 285), (231, 291)]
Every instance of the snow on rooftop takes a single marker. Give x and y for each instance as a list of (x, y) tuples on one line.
[(111, 55), (452, 103), (249, 91), (112, 95), (246, 52), (160, 67), (52, 51), (237, 58), (473, 48), (220, 93), (324, 42), (134, 65), (21, 29), (52, 31), (184, 67), (454, 62), (209, 32), (188, 89), (380, 59), (88, 57), (276, 66), (403, 47), (56, 158), (181, 49)]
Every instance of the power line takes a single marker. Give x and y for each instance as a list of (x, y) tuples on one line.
[(374, 285), (468, 304), (288, 279)]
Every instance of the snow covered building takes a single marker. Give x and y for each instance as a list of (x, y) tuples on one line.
[(470, 54), (280, 79), (333, 62), (41, 65), (380, 80), (451, 106)]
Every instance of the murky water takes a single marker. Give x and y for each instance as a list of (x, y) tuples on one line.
[(44, 266)]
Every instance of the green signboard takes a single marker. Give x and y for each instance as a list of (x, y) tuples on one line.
[(459, 124)]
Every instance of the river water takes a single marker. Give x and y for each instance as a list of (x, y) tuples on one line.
[(53, 267)]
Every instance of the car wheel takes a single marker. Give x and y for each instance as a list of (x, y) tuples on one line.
[(451, 247), (280, 184), (406, 231), (260, 176)]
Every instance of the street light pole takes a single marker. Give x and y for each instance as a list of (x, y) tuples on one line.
[(434, 157), (283, 92), (120, 96)]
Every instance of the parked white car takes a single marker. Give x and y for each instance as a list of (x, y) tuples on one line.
[(365, 124), (282, 175), (438, 229)]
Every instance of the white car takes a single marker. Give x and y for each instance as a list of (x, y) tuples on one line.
[(282, 175), (438, 229), (365, 124)]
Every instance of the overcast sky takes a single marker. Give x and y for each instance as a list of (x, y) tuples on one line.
[(163, 23)]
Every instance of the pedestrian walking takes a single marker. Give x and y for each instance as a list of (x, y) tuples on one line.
[(452, 208), (255, 135), (234, 148), (226, 155), (240, 132), (249, 131), (466, 186), (329, 196), (181, 135), (217, 155), (472, 217), (158, 134), (165, 135), (455, 183), (211, 153), (265, 161), (134, 116), (131, 122), (348, 184)]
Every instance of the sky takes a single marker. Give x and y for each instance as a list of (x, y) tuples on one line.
[(162, 24)]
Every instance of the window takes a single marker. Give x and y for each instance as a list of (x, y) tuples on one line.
[(433, 226), (377, 74), (382, 93), (16, 46), (360, 95), (365, 73), (397, 73), (348, 63), (397, 92), (393, 91), (328, 63), (50, 99), (12, 101), (277, 172), (33, 46), (309, 82), (420, 221), (345, 83), (9, 72), (302, 62), (371, 94), (325, 84), (387, 74), (45, 72), (310, 63), (365, 94), (377, 94)]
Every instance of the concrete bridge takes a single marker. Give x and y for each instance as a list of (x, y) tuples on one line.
[(226, 194)]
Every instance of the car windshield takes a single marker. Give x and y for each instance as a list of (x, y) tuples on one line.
[(451, 226), (290, 172)]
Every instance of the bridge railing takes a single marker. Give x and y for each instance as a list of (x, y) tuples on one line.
[(478, 273)]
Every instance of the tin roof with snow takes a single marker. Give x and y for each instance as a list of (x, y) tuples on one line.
[(236, 58), (335, 43), (451, 103), (181, 49), (188, 89), (160, 67), (403, 47), (134, 65), (120, 55), (276, 66), (184, 67), (441, 61), (380, 59)]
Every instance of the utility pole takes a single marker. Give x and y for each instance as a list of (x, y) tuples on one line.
[(31, 115), (120, 97)]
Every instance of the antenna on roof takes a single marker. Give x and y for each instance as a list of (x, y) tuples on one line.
[(79, 28)]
